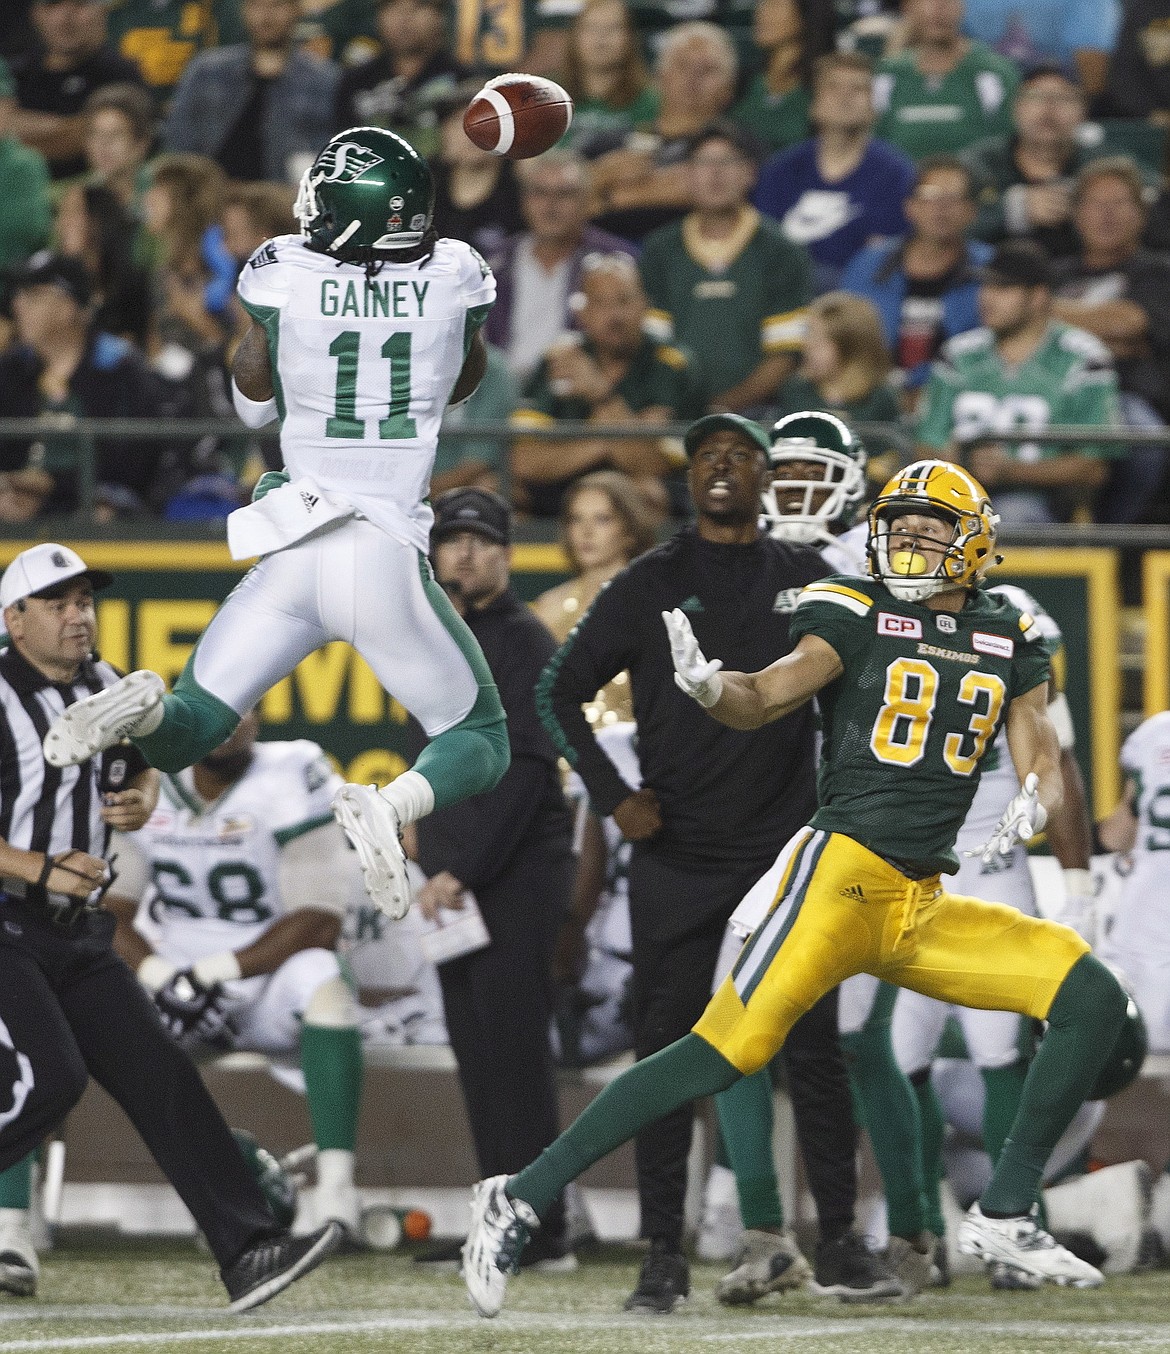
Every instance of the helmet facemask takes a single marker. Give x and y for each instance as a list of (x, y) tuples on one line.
[(830, 499), (906, 573)]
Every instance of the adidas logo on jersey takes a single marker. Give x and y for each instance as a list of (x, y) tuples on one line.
[(691, 604), (309, 500), (854, 893), (786, 600)]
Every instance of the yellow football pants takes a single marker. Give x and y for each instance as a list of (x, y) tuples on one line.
[(841, 910)]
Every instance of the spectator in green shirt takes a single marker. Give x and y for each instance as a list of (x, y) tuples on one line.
[(1024, 371), (944, 92), (606, 74), (476, 463), (610, 372), (789, 36), (724, 281), (26, 211)]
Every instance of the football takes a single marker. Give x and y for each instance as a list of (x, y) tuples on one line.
[(518, 116)]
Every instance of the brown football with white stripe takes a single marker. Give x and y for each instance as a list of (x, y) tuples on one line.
[(518, 116)]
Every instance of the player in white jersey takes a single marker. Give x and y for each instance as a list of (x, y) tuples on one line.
[(363, 328), (243, 877), (1138, 941)]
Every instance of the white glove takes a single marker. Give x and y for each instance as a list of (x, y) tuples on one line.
[(1079, 909), (1022, 819), (693, 673)]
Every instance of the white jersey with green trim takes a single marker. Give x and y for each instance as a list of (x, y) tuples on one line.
[(363, 367), (214, 868)]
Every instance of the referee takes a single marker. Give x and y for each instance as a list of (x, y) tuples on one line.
[(69, 1008), (715, 806)]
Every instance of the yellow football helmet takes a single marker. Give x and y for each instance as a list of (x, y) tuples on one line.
[(936, 489)]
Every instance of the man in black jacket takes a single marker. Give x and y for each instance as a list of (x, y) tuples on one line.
[(512, 849), (715, 806)]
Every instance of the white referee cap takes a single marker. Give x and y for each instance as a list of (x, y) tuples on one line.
[(44, 566)]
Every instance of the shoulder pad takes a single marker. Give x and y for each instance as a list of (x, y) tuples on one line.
[(849, 593), (1083, 344), (973, 341)]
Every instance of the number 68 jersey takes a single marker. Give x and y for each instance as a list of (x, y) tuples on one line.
[(363, 365), (920, 702), (214, 869)]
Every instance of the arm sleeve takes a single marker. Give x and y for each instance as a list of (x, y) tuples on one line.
[(659, 321), (787, 289), (596, 650), (832, 613), (255, 413), (263, 281), (478, 286), (1032, 665), (937, 425)]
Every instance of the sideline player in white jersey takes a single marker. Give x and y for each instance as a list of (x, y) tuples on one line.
[(244, 877), (1138, 941), (363, 328)]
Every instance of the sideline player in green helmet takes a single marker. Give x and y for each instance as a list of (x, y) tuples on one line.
[(365, 326)]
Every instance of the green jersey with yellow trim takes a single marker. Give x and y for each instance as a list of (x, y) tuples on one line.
[(732, 316), (908, 722)]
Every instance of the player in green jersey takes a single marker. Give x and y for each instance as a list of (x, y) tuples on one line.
[(915, 669)]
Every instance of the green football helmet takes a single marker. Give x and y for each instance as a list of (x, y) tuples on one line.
[(1125, 1061), (275, 1183), (815, 507), (367, 190)]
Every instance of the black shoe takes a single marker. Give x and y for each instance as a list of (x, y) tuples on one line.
[(270, 1266), (849, 1270), (664, 1283), (441, 1256)]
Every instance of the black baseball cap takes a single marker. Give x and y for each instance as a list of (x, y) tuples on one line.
[(47, 269), (1019, 263), (476, 510), (713, 423)]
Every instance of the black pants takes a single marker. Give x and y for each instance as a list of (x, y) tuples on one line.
[(71, 1009), (498, 1003), (678, 917)]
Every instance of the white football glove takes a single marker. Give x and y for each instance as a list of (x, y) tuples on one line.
[(1022, 819), (693, 673)]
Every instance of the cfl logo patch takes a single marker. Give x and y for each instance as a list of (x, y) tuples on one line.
[(899, 627)]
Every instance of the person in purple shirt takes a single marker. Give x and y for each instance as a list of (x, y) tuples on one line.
[(841, 188)]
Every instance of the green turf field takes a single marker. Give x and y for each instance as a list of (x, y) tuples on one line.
[(146, 1297)]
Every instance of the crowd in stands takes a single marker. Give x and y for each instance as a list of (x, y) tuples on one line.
[(944, 216)]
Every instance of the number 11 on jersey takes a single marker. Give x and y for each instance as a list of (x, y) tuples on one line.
[(397, 425)]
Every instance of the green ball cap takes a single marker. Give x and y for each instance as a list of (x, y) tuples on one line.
[(714, 423)]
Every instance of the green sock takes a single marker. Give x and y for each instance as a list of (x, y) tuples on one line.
[(16, 1184), (194, 723), (930, 1118), (891, 1115), (467, 759), (331, 1059), (1003, 1087), (745, 1122), (1083, 1025), (687, 1069)]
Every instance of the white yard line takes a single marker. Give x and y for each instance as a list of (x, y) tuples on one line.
[(782, 1330)]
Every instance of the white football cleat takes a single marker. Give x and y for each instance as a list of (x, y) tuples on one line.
[(98, 722), (19, 1266), (1021, 1243), (369, 821), (500, 1228)]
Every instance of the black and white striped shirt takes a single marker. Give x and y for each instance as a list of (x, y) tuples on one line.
[(43, 808)]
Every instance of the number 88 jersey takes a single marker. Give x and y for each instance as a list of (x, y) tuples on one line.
[(922, 697), (214, 869)]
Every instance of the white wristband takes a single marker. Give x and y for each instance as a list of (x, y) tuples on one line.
[(213, 969), (1079, 884), (708, 692), (255, 413), (155, 972)]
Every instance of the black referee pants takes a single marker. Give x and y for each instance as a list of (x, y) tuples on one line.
[(71, 1009), (498, 1003), (678, 916)]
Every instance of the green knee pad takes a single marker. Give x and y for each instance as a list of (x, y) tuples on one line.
[(470, 758), (194, 723)]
